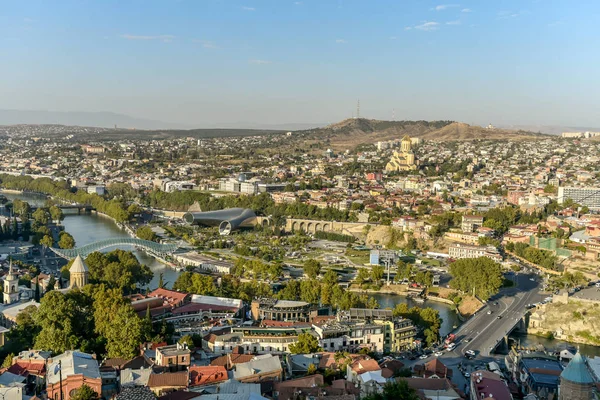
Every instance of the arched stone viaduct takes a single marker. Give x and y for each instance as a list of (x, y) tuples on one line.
[(313, 226)]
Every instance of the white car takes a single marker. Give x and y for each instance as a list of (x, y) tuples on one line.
[(489, 312), (423, 357), (467, 375), (438, 354)]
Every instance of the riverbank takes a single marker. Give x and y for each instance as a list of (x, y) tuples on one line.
[(574, 322), (467, 307)]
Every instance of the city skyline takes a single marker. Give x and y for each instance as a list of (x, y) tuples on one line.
[(264, 62)]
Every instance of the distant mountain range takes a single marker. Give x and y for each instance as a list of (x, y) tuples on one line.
[(82, 118), (110, 119)]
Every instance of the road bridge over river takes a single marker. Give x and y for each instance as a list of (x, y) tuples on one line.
[(490, 327)]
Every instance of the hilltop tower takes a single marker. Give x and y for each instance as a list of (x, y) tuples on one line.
[(79, 273), (11, 287)]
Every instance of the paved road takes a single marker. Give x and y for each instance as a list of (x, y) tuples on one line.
[(485, 330)]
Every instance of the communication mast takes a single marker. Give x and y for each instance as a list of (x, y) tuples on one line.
[(358, 109), (393, 114)]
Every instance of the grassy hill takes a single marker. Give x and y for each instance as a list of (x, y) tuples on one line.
[(352, 132)]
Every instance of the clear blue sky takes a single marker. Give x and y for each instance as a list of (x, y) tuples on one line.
[(204, 62)]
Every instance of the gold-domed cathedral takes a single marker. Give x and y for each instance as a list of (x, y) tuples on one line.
[(403, 160)]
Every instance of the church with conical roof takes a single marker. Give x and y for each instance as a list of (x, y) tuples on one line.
[(576, 381), (78, 273)]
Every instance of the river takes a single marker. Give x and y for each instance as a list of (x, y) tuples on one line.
[(88, 228)]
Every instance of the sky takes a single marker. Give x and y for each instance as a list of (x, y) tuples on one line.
[(210, 62)]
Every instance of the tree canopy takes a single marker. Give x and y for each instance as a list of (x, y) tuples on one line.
[(482, 275), (306, 344)]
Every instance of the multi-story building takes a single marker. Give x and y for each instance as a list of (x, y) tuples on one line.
[(285, 310), (459, 250), (585, 196), (470, 223), (467, 238), (174, 357)]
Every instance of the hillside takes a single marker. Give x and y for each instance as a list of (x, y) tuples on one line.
[(352, 132)]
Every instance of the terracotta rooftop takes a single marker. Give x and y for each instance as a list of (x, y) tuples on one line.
[(169, 379), (229, 360), (200, 376), (174, 298), (365, 365)]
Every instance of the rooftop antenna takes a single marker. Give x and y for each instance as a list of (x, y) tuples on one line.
[(358, 109)]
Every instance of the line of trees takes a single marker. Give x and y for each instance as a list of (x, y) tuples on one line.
[(543, 258)]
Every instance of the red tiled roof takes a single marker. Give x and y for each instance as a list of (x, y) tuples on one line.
[(433, 367), (229, 360), (25, 368), (173, 297), (200, 376), (168, 379), (366, 365), (305, 381), (210, 338)]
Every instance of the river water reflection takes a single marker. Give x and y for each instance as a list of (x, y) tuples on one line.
[(88, 228)]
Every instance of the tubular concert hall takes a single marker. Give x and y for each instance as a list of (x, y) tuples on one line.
[(227, 220)]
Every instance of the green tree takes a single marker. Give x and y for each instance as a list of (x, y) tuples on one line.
[(305, 344), (51, 283), (398, 390), (47, 241), (311, 369), (66, 241), (84, 393), (41, 216), (193, 282), (8, 361), (362, 276), (550, 189), (404, 271), (188, 340), (56, 214), (21, 208), (312, 268), (115, 320), (377, 273), (482, 276), (56, 317), (146, 233)]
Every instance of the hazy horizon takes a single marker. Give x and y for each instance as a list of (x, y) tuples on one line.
[(276, 63)]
